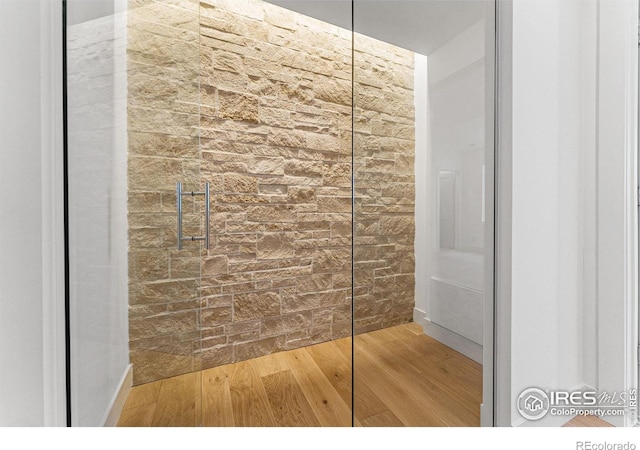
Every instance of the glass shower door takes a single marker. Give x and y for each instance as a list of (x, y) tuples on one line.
[(133, 120), (249, 184), (423, 230), (252, 101), (276, 146)]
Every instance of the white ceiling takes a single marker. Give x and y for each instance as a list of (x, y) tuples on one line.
[(418, 25)]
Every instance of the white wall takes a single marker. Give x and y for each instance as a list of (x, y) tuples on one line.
[(588, 358), (457, 124), (450, 137), (549, 75), (32, 378), (616, 199), (423, 217), (573, 318), (31, 256), (97, 93)]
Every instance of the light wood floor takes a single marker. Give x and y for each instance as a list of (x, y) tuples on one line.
[(587, 421), (402, 378)]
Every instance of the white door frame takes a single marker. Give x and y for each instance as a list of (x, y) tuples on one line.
[(501, 316), (53, 246), (617, 225), (617, 222)]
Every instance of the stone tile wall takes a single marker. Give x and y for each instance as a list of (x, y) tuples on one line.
[(256, 100), (163, 111), (384, 214)]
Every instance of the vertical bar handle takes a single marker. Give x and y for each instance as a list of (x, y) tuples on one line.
[(207, 214), (179, 208)]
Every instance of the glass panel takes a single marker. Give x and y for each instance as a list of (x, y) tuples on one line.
[(163, 108), (96, 36), (133, 117), (422, 246), (276, 146), (255, 100)]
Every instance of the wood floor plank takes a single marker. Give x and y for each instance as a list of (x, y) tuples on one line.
[(411, 396), (137, 416), (420, 355), (409, 410), (415, 328), (176, 405), (383, 419), (463, 376), (444, 397), (402, 377), (345, 346), (336, 368), (458, 375), (365, 402), (326, 403), (289, 406), (587, 421), (452, 371), (434, 349), (268, 365), (198, 410), (248, 398), (144, 394), (428, 348), (217, 407), (391, 333)]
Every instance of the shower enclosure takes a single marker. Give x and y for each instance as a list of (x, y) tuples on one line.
[(280, 213)]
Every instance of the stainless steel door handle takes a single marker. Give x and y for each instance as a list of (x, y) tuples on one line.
[(207, 214)]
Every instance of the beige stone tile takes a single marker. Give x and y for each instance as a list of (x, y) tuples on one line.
[(256, 305), (162, 324), (261, 108)]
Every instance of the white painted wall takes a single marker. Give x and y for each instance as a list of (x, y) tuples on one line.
[(31, 255), (457, 124), (588, 183), (550, 70), (423, 217), (97, 92), (450, 138), (616, 200), (573, 318), (31, 240)]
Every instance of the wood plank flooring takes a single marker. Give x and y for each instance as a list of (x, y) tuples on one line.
[(587, 421), (402, 378)]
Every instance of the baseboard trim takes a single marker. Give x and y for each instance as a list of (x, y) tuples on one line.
[(486, 415), (112, 415), (459, 343)]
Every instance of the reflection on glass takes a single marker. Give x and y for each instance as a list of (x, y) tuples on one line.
[(447, 209), (97, 151), (257, 100), (423, 134)]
